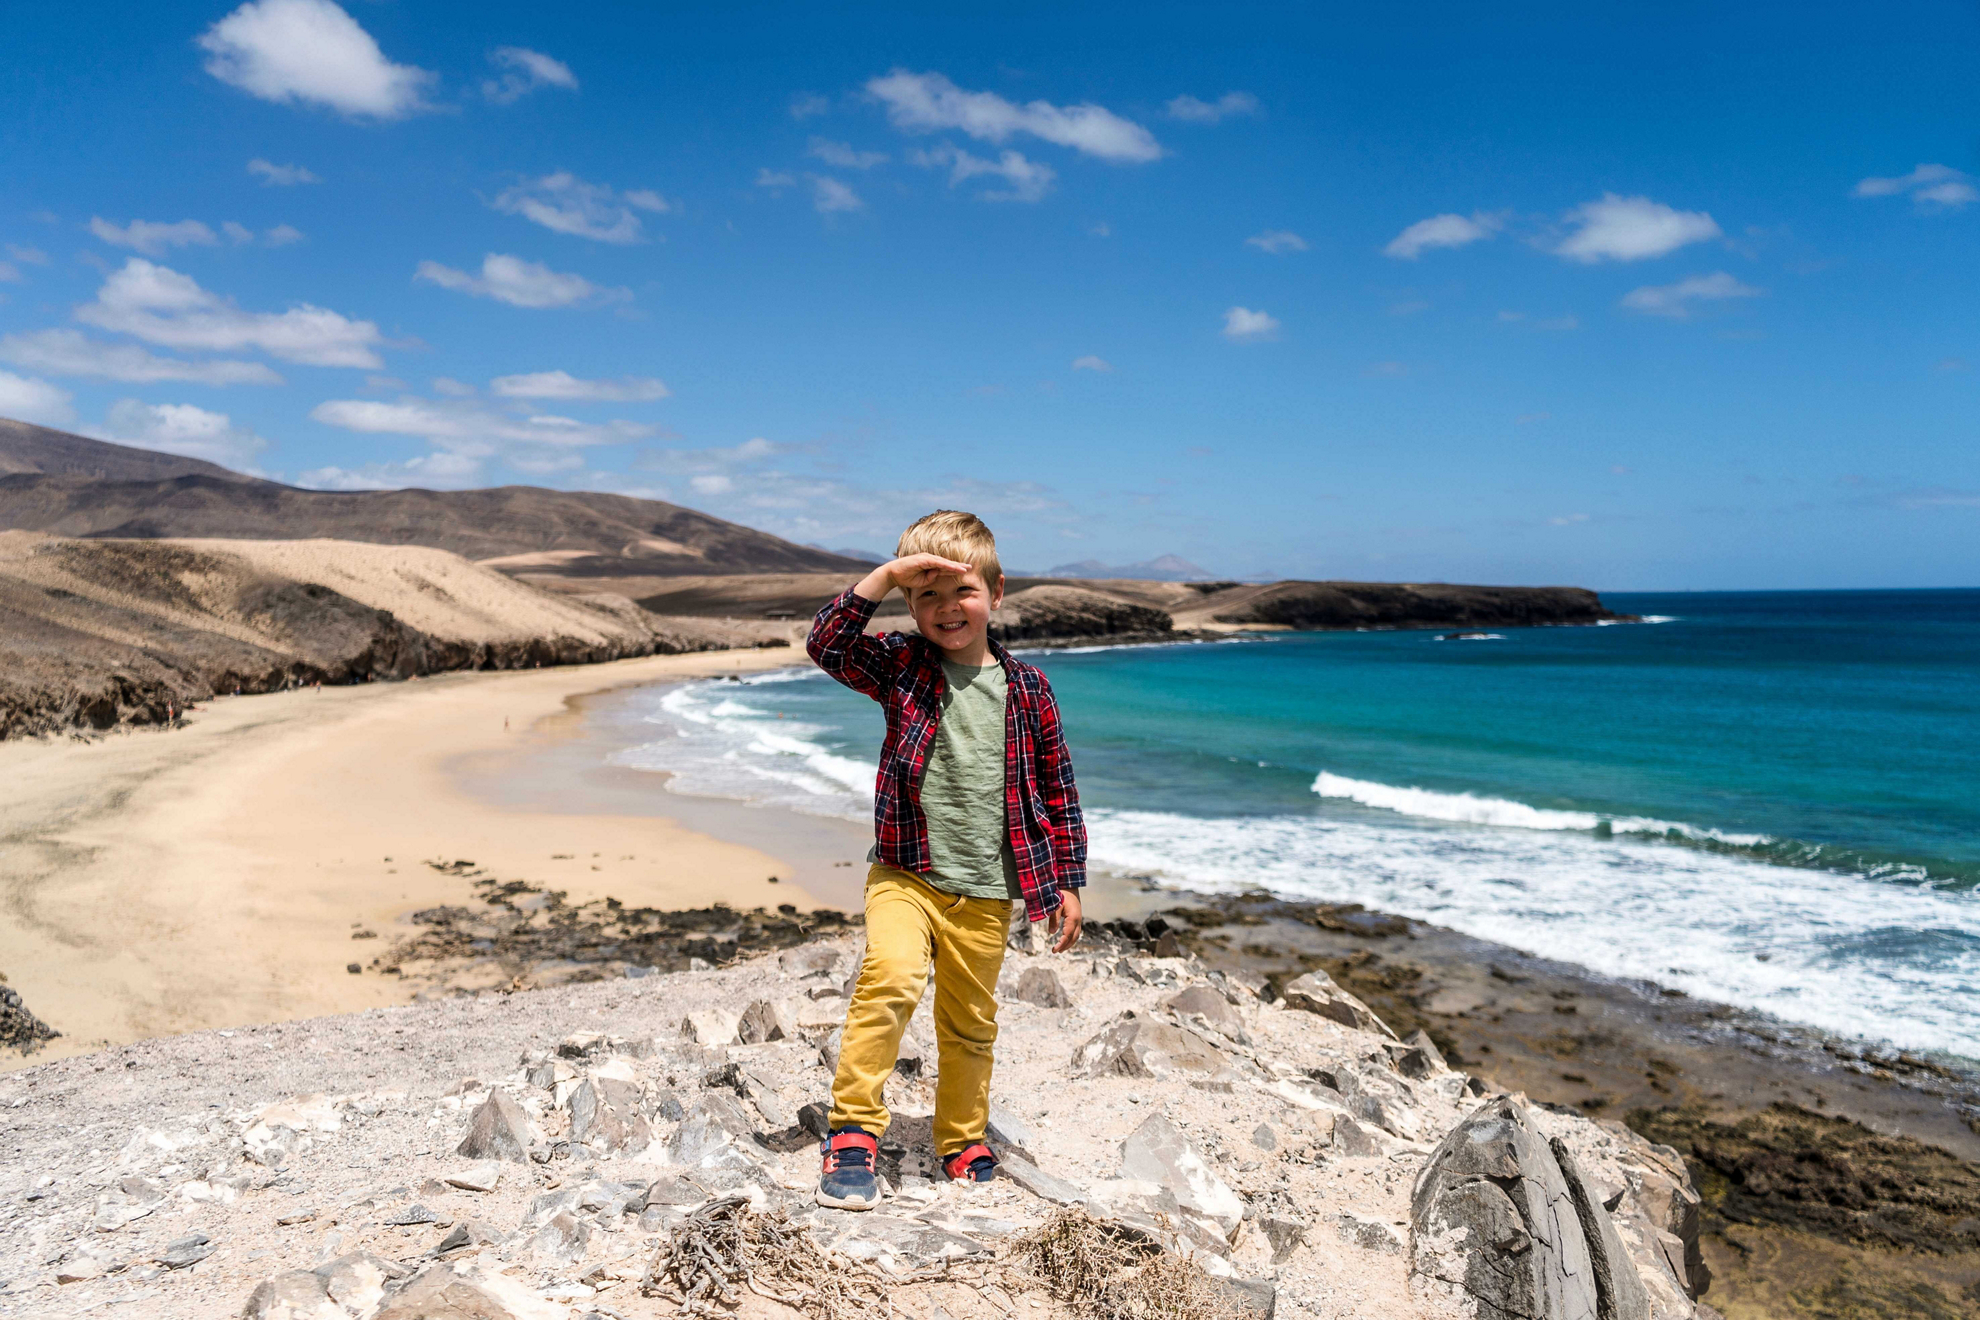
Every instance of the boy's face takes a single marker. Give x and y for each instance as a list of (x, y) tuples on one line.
[(954, 612)]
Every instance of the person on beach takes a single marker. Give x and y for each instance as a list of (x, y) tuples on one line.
[(974, 809)]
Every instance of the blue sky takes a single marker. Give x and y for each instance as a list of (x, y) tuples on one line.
[(1639, 297)]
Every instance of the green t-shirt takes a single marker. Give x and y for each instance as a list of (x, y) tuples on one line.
[(962, 791)]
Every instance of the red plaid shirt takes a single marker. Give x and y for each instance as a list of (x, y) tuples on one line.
[(904, 674)]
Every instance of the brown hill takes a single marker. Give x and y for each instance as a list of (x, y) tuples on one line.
[(72, 486)]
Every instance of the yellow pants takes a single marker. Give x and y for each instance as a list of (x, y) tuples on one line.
[(910, 924)]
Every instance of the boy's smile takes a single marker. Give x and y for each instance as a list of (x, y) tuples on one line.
[(953, 611)]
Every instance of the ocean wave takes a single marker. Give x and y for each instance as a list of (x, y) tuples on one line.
[(1807, 945)]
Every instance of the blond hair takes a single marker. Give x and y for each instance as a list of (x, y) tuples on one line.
[(953, 534)]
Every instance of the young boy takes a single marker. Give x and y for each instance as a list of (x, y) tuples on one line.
[(974, 807)]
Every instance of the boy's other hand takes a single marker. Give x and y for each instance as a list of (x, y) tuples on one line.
[(907, 573), (1065, 921)]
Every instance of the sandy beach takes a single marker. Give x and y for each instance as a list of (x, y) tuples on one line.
[(159, 882)]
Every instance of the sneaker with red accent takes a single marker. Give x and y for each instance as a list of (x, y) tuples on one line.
[(847, 1181), (971, 1164)]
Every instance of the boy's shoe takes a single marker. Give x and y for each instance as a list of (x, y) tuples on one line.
[(847, 1182), (971, 1164)]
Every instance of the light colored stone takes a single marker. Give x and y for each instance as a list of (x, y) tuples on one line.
[(464, 1291), (766, 1020), (1205, 1008), (1036, 1181), (483, 1177), (131, 1199), (1138, 1046), (605, 1115), (357, 1282), (292, 1295), (711, 1026), (498, 1130), (1316, 992), (1158, 1152)]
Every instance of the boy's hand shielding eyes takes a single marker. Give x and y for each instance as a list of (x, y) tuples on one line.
[(908, 573), (1065, 921)]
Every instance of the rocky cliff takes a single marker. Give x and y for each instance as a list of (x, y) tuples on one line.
[(1401, 605), (102, 632), (1173, 1144)]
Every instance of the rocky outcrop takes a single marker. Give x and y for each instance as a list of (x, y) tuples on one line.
[(1404, 605), (1063, 614), (94, 634), (1504, 1221)]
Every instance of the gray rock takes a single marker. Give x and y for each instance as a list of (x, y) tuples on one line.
[(764, 1021), (1369, 1234), (1316, 992), (562, 1240), (1354, 1140), (708, 1139), (1158, 1152), (470, 1233), (291, 1295), (498, 1130), (1240, 986), (1009, 1132), (1496, 1227), (674, 1191), (484, 1177), (710, 1027), (1036, 1181), (357, 1281), (1421, 1059), (1041, 986), (894, 1244), (460, 1291), (1619, 1291), (1285, 1235), (411, 1215), (1142, 1047), (605, 1115), (1264, 1137), (133, 1197), (1205, 1007), (181, 1252), (1251, 1299)]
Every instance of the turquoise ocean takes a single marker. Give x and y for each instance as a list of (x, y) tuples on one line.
[(1770, 799)]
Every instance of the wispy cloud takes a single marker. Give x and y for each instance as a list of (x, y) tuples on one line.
[(842, 155), (311, 52), (829, 195), (1193, 111), (568, 205), (1246, 326), (280, 176), (1676, 300), (152, 237), (516, 282), (31, 256), (27, 399), (72, 353), (1932, 187), (1091, 363), (466, 435), (1278, 242), (161, 306), (805, 105), (523, 71), (180, 428), (563, 385), (769, 178), (1443, 231), (1028, 180), (1616, 228), (929, 103)]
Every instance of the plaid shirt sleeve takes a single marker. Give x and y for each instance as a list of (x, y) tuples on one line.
[(1055, 785), (840, 646)]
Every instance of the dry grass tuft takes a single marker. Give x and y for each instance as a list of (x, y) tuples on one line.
[(1110, 1272), (723, 1248)]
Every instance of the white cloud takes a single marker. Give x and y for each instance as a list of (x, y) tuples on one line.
[(29, 255), (180, 428), (828, 195), (515, 281), (471, 424), (567, 204), (1278, 242), (1192, 111), (525, 71), (769, 178), (453, 389), (25, 399), (1932, 187), (806, 104), (1568, 519), (151, 237), (161, 306), (1675, 300), (563, 385), (280, 176), (1028, 179), (310, 51), (71, 353), (712, 483), (1092, 362), (8, 274), (442, 470), (282, 236), (237, 233), (1245, 325), (1616, 228), (1442, 231), (842, 155), (929, 102)]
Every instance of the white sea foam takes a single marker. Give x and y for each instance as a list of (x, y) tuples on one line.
[(1840, 952), (1469, 809)]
